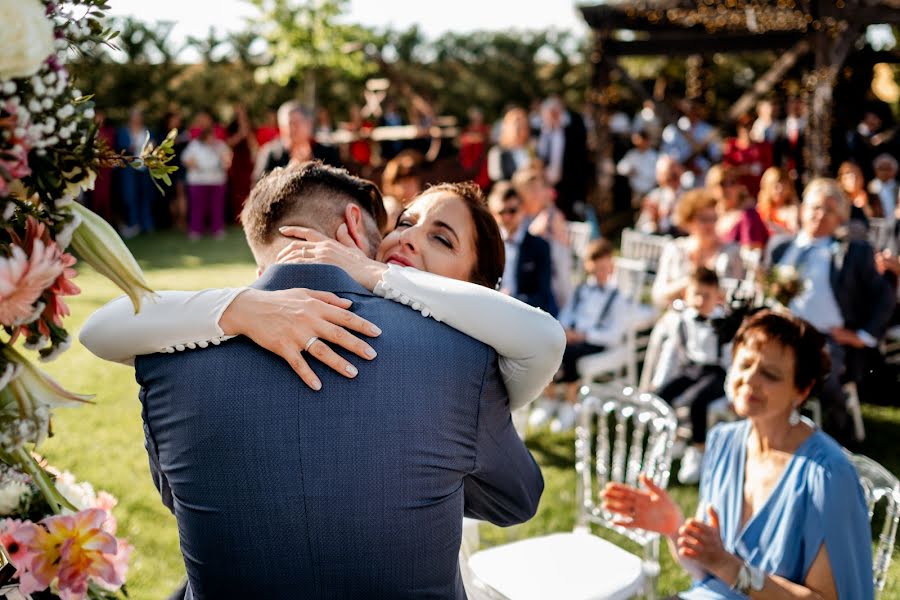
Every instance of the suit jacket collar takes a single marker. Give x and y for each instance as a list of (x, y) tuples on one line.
[(327, 278)]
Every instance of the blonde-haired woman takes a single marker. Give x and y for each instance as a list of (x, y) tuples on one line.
[(777, 203), (512, 151)]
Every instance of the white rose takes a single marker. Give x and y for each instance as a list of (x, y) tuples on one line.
[(27, 36), (10, 495)]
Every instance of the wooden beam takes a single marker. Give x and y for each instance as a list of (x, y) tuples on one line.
[(767, 81), (706, 44)]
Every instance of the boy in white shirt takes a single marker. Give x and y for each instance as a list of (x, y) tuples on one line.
[(693, 362), (595, 318)]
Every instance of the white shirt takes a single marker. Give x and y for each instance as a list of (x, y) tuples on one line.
[(701, 344), (887, 193), (584, 310), (208, 166), (640, 168), (816, 302), (529, 342), (510, 280)]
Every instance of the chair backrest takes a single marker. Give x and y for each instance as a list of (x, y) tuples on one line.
[(644, 246), (607, 449), (579, 238), (878, 483), (879, 232), (630, 276)]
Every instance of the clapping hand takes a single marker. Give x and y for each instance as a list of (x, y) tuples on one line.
[(702, 543), (651, 509), (312, 247)]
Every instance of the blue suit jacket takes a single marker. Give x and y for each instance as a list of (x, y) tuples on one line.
[(534, 274), (357, 491)]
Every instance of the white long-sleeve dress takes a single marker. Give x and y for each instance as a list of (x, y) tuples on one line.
[(528, 341)]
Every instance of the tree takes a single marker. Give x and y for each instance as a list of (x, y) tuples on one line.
[(306, 39)]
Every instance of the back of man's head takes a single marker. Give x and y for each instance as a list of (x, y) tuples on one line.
[(312, 195)]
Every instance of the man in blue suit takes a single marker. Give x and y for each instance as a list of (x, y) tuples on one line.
[(355, 491)]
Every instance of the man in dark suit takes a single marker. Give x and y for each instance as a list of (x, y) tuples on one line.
[(529, 271), (294, 143), (845, 297), (562, 146), (355, 491)]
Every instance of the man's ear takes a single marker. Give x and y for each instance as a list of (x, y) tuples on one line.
[(356, 227)]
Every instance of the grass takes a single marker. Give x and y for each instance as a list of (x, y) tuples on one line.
[(104, 443)]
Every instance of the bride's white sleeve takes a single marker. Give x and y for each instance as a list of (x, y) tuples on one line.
[(529, 342), (168, 322)]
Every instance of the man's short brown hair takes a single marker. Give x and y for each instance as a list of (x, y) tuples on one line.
[(313, 192), (599, 248)]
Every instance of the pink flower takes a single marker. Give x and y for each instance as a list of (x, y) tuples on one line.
[(23, 280), (72, 550)]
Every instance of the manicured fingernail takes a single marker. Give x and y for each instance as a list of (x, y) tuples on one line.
[(375, 330), (371, 353), (316, 385), (352, 371)]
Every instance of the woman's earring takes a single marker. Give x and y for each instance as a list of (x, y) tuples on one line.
[(794, 419)]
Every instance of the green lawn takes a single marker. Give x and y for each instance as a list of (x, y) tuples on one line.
[(104, 443)]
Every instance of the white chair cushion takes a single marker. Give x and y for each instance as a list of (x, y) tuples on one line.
[(562, 566)]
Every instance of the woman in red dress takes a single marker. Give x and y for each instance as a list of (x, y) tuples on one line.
[(747, 159)]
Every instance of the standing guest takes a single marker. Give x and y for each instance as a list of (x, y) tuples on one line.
[(693, 359), (562, 146), (648, 121), (790, 144), (782, 513), (528, 273), (697, 215), (401, 181), (692, 142), (870, 138), (884, 186), (766, 127), (268, 131), (777, 204), (658, 206), (747, 158), (739, 222), (473, 148), (174, 201), (512, 151), (242, 143), (323, 128), (295, 142), (206, 160), (639, 166), (391, 117), (361, 147), (100, 198), (595, 319), (844, 296), (137, 188), (546, 221)]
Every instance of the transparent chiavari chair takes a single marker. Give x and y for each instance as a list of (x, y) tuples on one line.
[(879, 484), (620, 435)]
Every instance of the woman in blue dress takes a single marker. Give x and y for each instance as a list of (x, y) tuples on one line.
[(782, 513)]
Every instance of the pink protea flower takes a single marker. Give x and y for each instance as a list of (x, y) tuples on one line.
[(72, 550), (23, 279)]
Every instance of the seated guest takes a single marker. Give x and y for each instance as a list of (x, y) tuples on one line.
[(739, 222), (295, 143), (692, 362), (546, 221), (782, 513), (696, 214), (528, 270), (844, 296), (884, 185), (512, 151), (401, 181), (777, 204), (658, 206), (595, 319)]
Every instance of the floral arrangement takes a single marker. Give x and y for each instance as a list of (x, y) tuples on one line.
[(781, 284), (58, 536)]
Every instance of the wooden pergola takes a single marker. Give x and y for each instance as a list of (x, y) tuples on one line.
[(817, 35)]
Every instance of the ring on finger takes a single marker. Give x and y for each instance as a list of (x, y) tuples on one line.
[(310, 342)]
